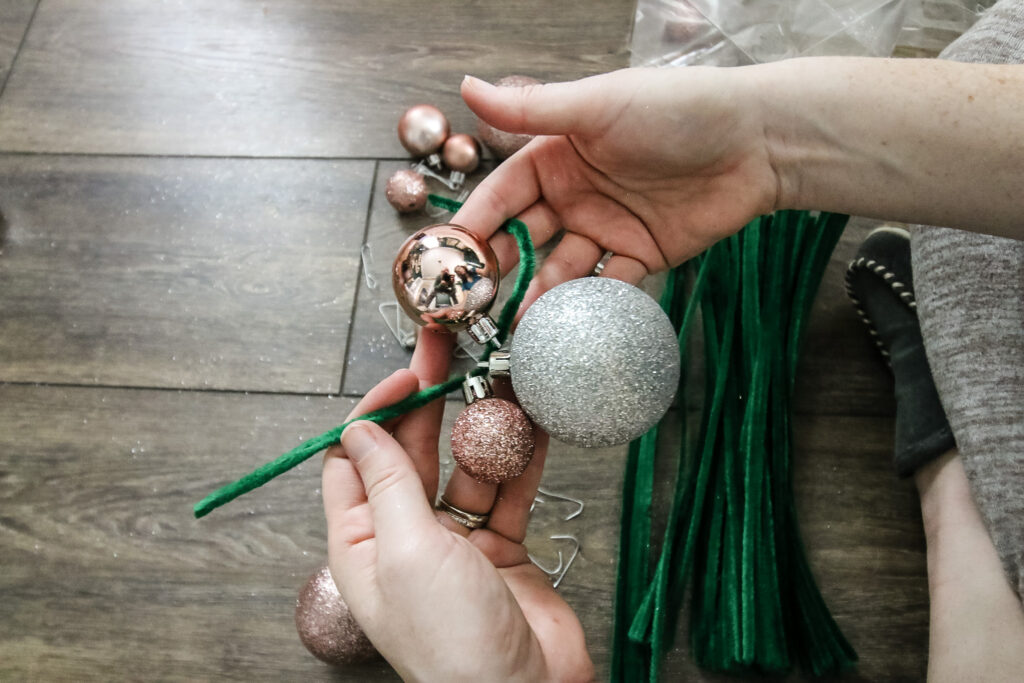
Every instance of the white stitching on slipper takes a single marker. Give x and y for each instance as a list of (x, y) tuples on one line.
[(907, 297)]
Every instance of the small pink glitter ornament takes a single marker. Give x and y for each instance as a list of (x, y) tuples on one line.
[(492, 439), (325, 625), (501, 143), (406, 191)]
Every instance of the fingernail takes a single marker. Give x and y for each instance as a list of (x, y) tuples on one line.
[(472, 81), (357, 440)]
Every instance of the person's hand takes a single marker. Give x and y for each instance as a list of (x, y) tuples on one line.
[(654, 165), (441, 602)]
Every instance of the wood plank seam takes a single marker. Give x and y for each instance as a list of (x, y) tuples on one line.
[(212, 157), (21, 44), (359, 276)]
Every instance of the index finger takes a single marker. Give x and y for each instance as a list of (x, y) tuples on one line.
[(510, 189), (419, 431), (511, 512)]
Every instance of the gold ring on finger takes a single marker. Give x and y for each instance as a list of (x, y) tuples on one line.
[(467, 519)]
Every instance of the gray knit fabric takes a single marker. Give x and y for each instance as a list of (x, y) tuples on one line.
[(970, 294)]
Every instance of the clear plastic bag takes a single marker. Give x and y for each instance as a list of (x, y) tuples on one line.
[(740, 32), (931, 25)]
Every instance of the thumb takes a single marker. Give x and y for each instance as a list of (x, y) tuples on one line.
[(394, 491), (542, 109)]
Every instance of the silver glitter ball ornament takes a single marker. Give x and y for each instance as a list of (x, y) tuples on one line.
[(595, 362)]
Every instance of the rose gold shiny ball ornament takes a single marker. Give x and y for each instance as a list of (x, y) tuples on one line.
[(422, 130), (461, 153), (406, 191), (445, 277), (492, 439), (325, 625), (501, 143)]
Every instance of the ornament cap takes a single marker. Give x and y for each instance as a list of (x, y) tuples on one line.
[(476, 388), (498, 364), (483, 330)]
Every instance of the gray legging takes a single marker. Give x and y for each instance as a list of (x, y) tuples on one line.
[(970, 293)]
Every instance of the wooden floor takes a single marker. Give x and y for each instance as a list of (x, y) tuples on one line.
[(185, 190)]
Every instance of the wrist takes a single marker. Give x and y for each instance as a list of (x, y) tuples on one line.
[(771, 91)]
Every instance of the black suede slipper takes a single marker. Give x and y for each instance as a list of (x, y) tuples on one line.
[(879, 282)]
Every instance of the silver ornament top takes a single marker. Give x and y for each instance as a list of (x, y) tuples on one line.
[(595, 362)]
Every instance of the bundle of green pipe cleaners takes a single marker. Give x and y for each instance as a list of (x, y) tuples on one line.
[(731, 538)]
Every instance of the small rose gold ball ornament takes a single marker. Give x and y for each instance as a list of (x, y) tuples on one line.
[(423, 129), (492, 439), (445, 277), (325, 625), (461, 153), (406, 191), (501, 143)]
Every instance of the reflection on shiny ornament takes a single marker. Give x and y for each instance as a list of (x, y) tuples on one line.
[(434, 277), (480, 295)]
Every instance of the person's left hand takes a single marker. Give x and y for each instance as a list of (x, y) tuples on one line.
[(441, 602)]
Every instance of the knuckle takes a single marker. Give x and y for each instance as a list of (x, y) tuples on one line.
[(352, 527), (384, 479), (495, 202), (530, 98), (556, 269)]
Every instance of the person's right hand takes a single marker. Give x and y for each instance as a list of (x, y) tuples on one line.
[(654, 165)]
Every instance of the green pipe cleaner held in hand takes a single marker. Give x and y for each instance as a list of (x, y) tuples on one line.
[(307, 449)]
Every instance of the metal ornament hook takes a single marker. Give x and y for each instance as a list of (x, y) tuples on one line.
[(426, 170), (366, 255), (572, 557), (552, 573), (558, 496), (406, 339)]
